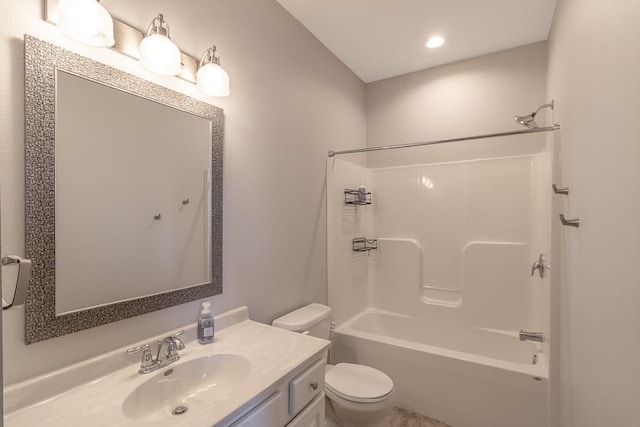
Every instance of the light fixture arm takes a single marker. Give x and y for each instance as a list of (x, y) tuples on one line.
[(210, 56), (158, 26)]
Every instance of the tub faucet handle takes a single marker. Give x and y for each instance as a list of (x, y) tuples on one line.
[(541, 265)]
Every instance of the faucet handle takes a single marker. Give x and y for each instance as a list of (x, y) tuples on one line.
[(147, 358), (534, 267), (541, 265), (177, 340), (143, 348)]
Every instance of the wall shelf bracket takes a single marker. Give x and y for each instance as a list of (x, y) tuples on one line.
[(362, 244), (356, 197)]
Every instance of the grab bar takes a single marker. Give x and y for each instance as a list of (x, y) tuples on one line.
[(22, 282)]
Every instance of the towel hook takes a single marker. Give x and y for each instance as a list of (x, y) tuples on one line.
[(560, 190), (574, 222)]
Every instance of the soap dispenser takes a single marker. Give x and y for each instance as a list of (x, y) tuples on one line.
[(205, 324)]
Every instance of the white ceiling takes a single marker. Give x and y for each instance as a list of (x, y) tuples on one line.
[(377, 39)]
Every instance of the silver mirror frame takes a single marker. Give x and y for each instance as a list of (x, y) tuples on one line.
[(41, 61)]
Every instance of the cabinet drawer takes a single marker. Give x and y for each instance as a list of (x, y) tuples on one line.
[(312, 415), (304, 387)]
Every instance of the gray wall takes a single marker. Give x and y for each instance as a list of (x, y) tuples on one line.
[(470, 97), (594, 76), (291, 101)]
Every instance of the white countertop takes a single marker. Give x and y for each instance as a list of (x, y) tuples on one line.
[(271, 352)]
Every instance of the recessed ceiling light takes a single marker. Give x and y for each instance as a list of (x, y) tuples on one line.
[(434, 42)]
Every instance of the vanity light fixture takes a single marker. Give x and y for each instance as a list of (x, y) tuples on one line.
[(211, 78), (434, 42), (86, 21), (158, 53)]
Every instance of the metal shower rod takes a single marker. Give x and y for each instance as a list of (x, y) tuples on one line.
[(556, 126)]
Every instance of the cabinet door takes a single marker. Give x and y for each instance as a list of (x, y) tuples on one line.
[(312, 415), (267, 413)]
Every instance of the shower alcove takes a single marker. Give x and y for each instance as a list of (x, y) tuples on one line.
[(439, 303)]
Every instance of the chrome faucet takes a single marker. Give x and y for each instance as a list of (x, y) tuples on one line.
[(531, 336), (167, 353), (168, 349)]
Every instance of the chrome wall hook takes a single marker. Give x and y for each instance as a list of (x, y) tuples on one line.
[(560, 190), (157, 217), (185, 201), (574, 222)]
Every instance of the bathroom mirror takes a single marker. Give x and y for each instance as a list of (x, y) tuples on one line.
[(123, 194)]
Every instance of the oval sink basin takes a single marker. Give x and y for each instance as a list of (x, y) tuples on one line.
[(186, 387)]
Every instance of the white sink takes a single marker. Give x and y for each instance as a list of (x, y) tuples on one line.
[(185, 387)]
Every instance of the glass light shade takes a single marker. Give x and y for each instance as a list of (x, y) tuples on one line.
[(213, 80), (86, 21), (160, 55)]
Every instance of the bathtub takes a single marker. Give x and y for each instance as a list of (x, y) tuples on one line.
[(465, 377)]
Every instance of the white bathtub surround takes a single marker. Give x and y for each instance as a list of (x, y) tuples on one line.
[(494, 348), (95, 392), (439, 305), (485, 378)]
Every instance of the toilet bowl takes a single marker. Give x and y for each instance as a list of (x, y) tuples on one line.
[(356, 395)]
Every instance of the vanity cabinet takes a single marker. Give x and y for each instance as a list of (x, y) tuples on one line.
[(253, 375), (297, 401), (312, 415), (266, 413)]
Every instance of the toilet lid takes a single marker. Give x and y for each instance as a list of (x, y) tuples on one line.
[(357, 381)]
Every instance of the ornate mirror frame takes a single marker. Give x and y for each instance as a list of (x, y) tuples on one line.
[(42, 59)]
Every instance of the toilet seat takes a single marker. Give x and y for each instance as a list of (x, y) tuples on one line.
[(357, 383)]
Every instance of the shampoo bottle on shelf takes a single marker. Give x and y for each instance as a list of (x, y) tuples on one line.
[(205, 324)]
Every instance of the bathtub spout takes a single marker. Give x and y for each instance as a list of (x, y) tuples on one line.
[(531, 336)]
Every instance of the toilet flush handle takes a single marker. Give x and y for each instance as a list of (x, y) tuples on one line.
[(314, 385)]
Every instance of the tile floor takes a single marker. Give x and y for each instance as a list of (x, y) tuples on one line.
[(402, 418)]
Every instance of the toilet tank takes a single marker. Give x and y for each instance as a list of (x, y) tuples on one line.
[(314, 319)]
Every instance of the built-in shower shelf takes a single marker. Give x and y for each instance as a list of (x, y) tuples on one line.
[(356, 197), (362, 244)]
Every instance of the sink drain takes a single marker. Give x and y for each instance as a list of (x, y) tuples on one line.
[(179, 410)]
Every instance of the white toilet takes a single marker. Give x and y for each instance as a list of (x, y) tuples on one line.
[(357, 395)]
